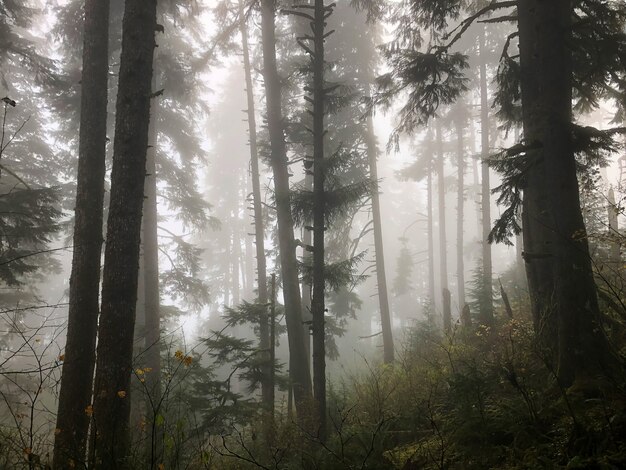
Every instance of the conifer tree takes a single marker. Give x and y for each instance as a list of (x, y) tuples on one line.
[(80, 348), (298, 360), (110, 432)]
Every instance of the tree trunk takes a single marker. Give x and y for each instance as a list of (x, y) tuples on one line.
[(447, 311), (259, 232), (381, 276), (431, 236), (319, 216), (298, 361), (460, 201), (119, 289), (152, 295), (486, 316), (560, 278), (443, 255), (76, 380)]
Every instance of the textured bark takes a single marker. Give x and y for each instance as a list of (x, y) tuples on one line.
[(560, 278), (460, 201), (298, 361), (379, 252), (121, 261), (443, 249), (486, 316), (77, 375), (259, 232)]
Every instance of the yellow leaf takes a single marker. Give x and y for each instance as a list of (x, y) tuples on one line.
[(89, 410), (62, 357), (161, 466), (121, 394), (179, 355)]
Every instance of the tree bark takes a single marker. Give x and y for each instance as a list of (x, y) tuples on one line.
[(443, 249), (379, 252), (460, 201), (298, 361), (77, 374), (119, 289), (431, 237), (556, 251), (259, 232), (319, 215), (152, 295), (486, 316)]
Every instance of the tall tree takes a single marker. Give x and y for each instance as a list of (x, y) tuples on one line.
[(556, 251), (119, 289), (152, 293), (318, 308), (298, 360), (486, 316), (443, 248), (259, 232), (381, 276), (460, 202), (80, 348)]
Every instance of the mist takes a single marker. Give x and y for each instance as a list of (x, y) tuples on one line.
[(312, 235)]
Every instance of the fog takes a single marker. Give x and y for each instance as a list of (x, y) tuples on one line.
[(361, 234)]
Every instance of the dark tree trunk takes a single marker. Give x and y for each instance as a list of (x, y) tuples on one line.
[(259, 232), (460, 201), (381, 276), (443, 249), (560, 277), (121, 262), (298, 361), (486, 316), (77, 375), (319, 216)]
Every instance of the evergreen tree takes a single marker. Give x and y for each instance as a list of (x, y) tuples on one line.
[(80, 348), (119, 290)]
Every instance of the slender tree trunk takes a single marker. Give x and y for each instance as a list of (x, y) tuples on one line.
[(431, 236), (119, 289), (152, 294), (381, 276), (307, 287), (259, 232), (319, 215), (443, 249), (460, 201), (560, 277), (477, 191), (486, 316), (298, 361), (76, 381), (235, 255)]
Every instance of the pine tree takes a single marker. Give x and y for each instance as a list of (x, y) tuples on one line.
[(119, 290), (80, 348), (298, 362)]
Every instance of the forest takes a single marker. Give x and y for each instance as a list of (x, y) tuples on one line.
[(289, 234)]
